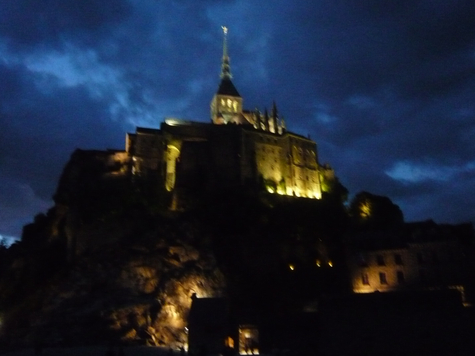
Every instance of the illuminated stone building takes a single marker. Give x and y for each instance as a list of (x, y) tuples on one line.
[(432, 258), (238, 148)]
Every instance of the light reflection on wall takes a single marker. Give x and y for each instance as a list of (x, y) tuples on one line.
[(248, 340)]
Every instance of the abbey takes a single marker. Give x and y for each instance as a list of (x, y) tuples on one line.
[(237, 148)]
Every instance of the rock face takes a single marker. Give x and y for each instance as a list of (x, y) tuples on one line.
[(131, 290), (105, 264), (111, 263)]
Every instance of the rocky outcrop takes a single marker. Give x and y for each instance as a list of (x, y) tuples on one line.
[(110, 262), (134, 291)]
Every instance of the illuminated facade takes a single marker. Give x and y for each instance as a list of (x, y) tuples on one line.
[(238, 147), (431, 263)]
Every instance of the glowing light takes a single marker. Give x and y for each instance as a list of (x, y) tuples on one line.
[(367, 290), (292, 267), (330, 263), (250, 352), (176, 122), (365, 209), (229, 342), (319, 264)]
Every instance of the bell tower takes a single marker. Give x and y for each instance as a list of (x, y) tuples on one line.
[(226, 106)]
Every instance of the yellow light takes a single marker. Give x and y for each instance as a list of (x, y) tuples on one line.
[(365, 209), (292, 267), (362, 290), (319, 264), (330, 263)]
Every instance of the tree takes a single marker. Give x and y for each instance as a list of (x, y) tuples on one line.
[(375, 212)]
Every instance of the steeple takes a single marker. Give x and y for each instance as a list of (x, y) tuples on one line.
[(226, 86), (226, 105), (225, 66)]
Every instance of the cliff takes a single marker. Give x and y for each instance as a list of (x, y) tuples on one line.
[(109, 262)]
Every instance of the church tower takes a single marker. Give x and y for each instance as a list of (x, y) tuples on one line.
[(226, 106)]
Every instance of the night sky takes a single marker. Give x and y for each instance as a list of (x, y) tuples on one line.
[(385, 88)]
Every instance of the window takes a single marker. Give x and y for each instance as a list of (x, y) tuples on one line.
[(382, 278), (365, 279), (380, 260), (400, 277), (398, 259)]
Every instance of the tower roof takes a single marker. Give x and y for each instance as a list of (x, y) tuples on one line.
[(225, 66), (226, 87)]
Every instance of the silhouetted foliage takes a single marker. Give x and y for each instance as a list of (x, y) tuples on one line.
[(335, 191), (374, 212)]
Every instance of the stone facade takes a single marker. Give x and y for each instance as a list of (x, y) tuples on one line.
[(238, 147), (226, 155), (439, 261)]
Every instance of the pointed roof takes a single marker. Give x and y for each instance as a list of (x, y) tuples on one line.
[(226, 87), (225, 66)]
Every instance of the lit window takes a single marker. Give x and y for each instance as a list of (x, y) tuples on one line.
[(292, 267), (365, 279)]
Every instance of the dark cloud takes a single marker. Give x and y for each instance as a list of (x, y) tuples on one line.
[(385, 88), (40, 131), (28, 22)]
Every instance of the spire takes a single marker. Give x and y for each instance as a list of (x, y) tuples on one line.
[(274, 110), (225, 67), (257, 119), (266, 120)]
